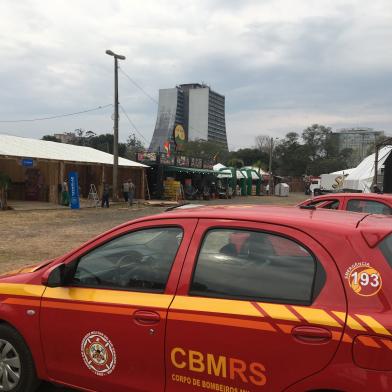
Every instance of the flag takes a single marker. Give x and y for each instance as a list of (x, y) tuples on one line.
[(166, 146)]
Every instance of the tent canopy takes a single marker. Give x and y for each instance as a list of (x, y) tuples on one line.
[(225, 172), (361, 177), (20, 147)]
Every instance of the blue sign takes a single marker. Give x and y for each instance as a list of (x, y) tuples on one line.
[(73, 187), (27, 162)]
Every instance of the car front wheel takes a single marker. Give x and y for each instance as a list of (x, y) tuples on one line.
[(17, 371)]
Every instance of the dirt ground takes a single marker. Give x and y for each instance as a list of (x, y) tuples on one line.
[(28, 237)]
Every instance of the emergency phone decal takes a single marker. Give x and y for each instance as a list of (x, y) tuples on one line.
[(363, 279), (98, 353)]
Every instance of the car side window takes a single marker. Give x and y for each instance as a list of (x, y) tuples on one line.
[(139, 261), (369, 206), (250, 265), (329, 204), (386, 248)]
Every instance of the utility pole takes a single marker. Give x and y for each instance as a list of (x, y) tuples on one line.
[(115, 126), (270, 166)]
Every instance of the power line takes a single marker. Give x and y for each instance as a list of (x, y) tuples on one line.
[(57, 116), (132, 123), (138, 86)]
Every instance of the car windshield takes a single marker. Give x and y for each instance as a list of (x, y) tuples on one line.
[(386, 249)]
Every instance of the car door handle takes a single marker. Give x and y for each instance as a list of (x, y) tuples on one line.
[(146, 317), (309, 334)]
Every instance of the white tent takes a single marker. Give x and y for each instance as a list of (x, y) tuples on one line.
[(225, 172), (344, 172), (15, 146), (256, 169), (361, 177), (244, 172)]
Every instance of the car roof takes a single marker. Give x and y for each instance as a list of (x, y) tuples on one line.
[(286, 215), (312, 221), (354, 194)]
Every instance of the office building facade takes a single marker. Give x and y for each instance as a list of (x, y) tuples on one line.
[(361, 141), (197, 108)]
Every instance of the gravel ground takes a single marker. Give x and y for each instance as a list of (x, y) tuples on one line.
[(28, 237)]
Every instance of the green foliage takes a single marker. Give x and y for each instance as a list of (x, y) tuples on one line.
[(103, 142), (316, 139), (51, 138), (235, 162), (291, 156), (314, 152), (260, 165), (205, 150), (134, 145), (247, 157)]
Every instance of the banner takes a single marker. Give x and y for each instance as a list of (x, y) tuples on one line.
[(179, 137), (73, 190)]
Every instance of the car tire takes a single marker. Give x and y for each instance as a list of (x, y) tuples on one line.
[(17, 370)]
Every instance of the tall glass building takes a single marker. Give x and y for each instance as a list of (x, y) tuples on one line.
[(362, 142), (197, 108)]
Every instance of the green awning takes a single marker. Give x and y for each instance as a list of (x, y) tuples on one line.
[(190, 170)]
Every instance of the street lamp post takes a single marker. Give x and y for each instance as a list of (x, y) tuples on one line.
[(115, 126), (271, 152), (270, 166)]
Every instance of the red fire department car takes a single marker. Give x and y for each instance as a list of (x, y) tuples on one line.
[(235, 298)]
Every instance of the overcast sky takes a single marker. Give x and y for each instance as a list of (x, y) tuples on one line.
[(282, 64)]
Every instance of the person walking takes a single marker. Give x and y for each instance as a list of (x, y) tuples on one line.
[(132, 189), (105, 196), (126, 191), (64, 193)]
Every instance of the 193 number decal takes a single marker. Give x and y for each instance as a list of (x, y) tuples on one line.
[(364, 280)]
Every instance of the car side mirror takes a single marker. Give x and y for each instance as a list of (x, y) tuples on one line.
[(54, 277)]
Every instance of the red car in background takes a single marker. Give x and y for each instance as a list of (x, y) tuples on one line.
[(371, 203)]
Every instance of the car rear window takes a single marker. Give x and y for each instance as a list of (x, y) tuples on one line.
[(250, 265), (386, 249), (368, 206)]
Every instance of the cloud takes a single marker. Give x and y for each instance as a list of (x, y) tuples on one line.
[(282, 64)]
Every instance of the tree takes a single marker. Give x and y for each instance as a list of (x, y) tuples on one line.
[(103, 142), (249, 156), (205, 150), (291, 156), (316, 139), (5, 182), (235, 162), (260, 166), (321, 148), (51, 138), (134, 145), (263, 143)]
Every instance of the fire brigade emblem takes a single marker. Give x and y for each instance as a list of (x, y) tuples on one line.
[(98, 353)]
